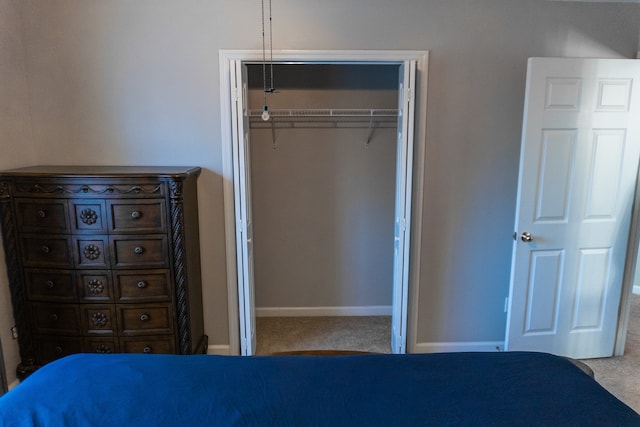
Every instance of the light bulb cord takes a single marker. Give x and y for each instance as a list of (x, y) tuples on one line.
[(266, 89)]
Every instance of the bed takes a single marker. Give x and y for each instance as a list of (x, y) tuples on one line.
[(442, 389)]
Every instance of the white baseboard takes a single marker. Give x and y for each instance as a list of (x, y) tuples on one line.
[(636, 289), (219, 349), (371, 310), (452, 347)]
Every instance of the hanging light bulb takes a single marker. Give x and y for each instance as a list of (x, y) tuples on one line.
[(265, 113)]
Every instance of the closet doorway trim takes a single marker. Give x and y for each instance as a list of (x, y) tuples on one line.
[(239, 298)]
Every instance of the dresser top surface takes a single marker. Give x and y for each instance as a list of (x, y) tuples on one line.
[(102, 171)]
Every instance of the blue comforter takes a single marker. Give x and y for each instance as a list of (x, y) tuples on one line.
[(455, 389)]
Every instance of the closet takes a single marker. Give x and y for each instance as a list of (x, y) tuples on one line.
[(323, 176)]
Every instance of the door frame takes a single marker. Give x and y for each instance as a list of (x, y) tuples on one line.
[(226, 58), (630, 267)]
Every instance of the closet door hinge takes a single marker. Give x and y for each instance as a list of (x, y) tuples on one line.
[(399, 347), (409, 95), (235, 94)]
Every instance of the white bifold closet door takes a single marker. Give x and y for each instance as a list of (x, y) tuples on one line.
[(244, 218)]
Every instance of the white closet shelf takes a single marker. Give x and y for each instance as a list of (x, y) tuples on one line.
[(357, 117)]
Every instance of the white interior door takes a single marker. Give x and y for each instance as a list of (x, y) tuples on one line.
[(242, 204), (404, 170), (578, 169)]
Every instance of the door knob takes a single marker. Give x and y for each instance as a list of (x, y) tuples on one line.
[(526, 237)]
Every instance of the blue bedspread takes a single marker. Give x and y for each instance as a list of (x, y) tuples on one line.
[(455, 389)]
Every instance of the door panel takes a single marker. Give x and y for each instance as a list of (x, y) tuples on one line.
[(542, 295), (578, 169), (558, 150)]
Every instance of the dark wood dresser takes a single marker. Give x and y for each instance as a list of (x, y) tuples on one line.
[(102, 259)]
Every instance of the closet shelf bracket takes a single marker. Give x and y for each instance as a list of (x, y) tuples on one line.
[(371, 129), (274, 144)]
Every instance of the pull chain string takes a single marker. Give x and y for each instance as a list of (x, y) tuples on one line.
[(272, 88), (264, 59)]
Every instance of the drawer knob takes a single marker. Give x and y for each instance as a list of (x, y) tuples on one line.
[(54, 317), (50, 284), (58, 349), (144, 317), (142, 284), (46, 249), (42, 214), (147, 349), (138, 250), (136, 214)]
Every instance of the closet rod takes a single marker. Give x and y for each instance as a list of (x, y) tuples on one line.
[(323, 118), (329, 114)]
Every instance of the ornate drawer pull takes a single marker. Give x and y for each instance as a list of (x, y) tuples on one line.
[(58, 349), (147, 349), (144, 317), (142, 284), (103, 349), (54, 317), (136, 214), (46, 249), (50, 284), (42, 214), (91, 252), (89, 216), (138, 250), (99, 320), (95, 287)]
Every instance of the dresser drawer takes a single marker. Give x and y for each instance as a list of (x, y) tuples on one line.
[(56, 319), (50, 285), (99, 319), (145, 319), (143, 285), (47, 251), (150, 345), (137, 251), (49, 348), (138, 216), (95, 286), (48, 216), (107, 345), (88, 216)]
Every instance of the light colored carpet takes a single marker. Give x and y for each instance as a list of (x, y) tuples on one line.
[(360, 333), (621, 375)]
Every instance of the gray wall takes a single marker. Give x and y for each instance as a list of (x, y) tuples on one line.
[(16, 145), (133, 82)]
